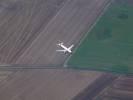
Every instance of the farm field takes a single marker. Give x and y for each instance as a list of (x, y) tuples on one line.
[(30, 30), (55, 84), (21, 21), (120, 89), (108, 46)]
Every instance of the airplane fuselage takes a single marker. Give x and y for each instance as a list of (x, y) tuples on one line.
[(65, 48)]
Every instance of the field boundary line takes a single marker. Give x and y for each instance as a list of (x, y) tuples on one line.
[(91, 27)]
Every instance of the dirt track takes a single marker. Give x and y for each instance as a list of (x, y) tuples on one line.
[(69, 25)]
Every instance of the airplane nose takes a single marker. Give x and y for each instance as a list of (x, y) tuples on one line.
[(59, 44)]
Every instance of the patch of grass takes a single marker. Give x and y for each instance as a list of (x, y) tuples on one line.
[(109, 45)]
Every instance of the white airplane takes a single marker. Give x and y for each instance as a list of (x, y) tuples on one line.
[(65, 49)]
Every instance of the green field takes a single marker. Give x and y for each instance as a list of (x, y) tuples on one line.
[(109, 45)]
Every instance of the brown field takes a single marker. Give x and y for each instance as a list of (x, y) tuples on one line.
[(46, 84), (4, 75), (21, 22), (120, 89)]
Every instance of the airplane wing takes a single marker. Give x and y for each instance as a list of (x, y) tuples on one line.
[(71, 47), (61, 51)]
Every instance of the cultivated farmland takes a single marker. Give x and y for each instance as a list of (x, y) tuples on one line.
[(109, 45)]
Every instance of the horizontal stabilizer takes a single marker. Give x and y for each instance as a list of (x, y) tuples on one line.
[(61, 51)]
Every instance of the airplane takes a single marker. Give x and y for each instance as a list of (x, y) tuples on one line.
[(65, 49)]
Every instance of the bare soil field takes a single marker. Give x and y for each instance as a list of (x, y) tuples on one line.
[(69, 25), (120, 89), (46, 84), (4, 75), (20, 23)]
